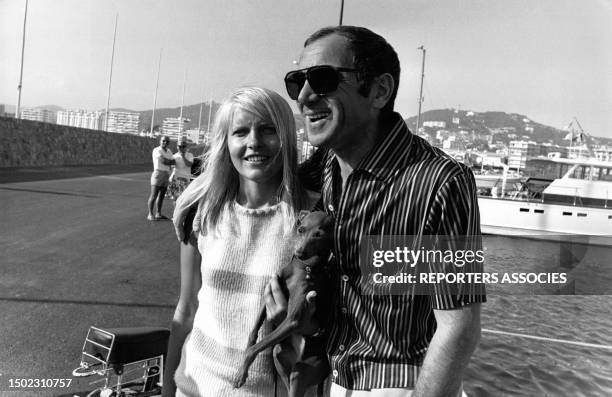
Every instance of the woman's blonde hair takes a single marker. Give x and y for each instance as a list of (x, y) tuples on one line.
[(218, 184)]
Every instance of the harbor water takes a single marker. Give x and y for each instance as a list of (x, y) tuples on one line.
[(548, 342)]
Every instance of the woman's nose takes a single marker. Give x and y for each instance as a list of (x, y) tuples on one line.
[(254, 138)]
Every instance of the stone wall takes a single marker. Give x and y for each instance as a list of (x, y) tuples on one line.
[(28, 143)]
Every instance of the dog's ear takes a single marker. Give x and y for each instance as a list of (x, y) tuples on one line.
[(301, 216)]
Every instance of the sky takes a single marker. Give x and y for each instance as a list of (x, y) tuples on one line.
[(550, 60)]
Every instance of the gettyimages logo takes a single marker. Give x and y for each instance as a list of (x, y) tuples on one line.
[(406, 256), (455, 265)]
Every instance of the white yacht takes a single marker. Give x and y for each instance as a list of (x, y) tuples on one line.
[(575, 207)]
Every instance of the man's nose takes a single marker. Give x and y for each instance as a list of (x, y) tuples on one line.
[(307, 95)]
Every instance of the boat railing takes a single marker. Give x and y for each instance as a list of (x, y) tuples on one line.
[(563, 195), (572, 194)]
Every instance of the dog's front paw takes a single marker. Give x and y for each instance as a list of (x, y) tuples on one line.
[(240, 377)]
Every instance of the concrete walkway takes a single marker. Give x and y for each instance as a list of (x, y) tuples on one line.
[(77, 252)]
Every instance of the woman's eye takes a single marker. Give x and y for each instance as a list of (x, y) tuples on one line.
[(269, 130), (301, 229), (240, 132)]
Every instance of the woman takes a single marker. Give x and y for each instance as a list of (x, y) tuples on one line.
[(247, 199)]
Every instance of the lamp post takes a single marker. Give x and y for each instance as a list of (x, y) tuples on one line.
[(110, 76), (17, 108), (155, 97), (421, 91)]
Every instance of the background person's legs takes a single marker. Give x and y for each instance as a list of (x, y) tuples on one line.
[(151, 202), (160, 201)]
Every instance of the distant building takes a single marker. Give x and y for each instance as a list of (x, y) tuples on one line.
[(123, 122), (521, 151), (2, 110), (434, 124), (44, 115), (488, 159), (81, 119), (452, 143), (305, 149), (603, 153), (197, 136), (173, 127)]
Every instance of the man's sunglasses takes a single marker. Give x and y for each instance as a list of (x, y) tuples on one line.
[(323, 79)]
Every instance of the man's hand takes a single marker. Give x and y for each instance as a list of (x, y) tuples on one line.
[(449, 352), (276, 301)]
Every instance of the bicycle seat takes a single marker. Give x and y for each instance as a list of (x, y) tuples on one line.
[(129, 344)]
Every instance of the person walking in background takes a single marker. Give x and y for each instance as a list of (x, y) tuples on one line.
[(248, 199), (181, 174), (162, 160)]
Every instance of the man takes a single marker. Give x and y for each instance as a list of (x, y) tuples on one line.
[(162, 160), (181, 175), (379, 179)]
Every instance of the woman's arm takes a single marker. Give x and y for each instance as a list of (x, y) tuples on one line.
[(182, 323)]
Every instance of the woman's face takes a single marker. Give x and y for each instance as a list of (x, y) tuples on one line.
[(255, 148)]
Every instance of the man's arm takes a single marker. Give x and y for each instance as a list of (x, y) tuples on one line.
[(188, 159), (167, 161), (451, 347), (454, 214)]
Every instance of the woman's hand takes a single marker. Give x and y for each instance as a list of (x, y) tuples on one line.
[(179, 218)]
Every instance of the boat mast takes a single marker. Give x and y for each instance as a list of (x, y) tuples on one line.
[(200, 120), (421, 91), (155, 96), (17, 108), (110, 76), (210, 103), (180, 134)]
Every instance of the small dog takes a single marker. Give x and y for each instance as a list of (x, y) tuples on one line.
[(300, 362)]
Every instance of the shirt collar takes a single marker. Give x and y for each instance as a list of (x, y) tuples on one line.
[(390, 153)]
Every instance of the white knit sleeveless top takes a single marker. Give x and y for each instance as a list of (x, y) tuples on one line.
[(237, 263)]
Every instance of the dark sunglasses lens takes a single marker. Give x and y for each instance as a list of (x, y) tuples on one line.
[(323, 80), (294, 82)]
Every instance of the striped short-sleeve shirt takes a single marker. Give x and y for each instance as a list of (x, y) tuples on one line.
[(404, 186)]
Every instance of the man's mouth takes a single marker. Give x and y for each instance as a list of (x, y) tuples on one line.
[(318, 116)]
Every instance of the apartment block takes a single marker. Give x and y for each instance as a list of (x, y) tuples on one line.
[(81, 118), (520, 151), (44, 115), (173, 127), (123, 122)]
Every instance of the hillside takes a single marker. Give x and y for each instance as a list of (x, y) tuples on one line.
[(191, 112), (504, 126)]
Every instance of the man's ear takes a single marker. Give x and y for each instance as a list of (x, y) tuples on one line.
[(382, 89)]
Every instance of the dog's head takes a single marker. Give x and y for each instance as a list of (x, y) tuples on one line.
[(315, 234)]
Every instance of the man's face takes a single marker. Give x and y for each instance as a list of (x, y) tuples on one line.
[(337, 119), (164, 142)]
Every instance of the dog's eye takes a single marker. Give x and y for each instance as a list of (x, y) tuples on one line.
[(301, 229)]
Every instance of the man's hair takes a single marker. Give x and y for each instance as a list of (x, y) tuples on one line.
[(372, 56)]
